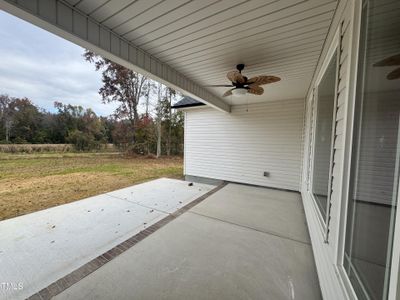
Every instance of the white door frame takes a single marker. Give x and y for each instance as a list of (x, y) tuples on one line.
[(348, 131)]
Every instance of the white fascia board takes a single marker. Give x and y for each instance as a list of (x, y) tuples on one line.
[(62, 19)]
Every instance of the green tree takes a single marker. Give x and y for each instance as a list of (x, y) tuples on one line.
[(177, 132), (25, 121), (89, 132)]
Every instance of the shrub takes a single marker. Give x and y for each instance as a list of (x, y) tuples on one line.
[(35, 148)]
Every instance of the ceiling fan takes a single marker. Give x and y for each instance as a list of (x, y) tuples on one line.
[(390, 61), (242, 85)]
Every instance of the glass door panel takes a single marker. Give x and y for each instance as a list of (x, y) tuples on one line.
[(375, 158)]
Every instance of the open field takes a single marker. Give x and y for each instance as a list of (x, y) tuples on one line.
[(31, 182)]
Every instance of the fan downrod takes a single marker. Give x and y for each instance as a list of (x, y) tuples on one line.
[(240, 67)]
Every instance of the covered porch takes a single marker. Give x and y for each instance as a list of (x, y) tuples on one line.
[(237, 242), (328, 131), (249, 239)]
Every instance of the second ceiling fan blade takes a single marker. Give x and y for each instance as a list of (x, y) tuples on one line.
[(395, 74), (232, 75), (389, 61), (218, 85), (235, 76), (227, 93), (255, 89), (260, 80)]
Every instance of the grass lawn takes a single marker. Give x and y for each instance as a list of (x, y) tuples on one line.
[(31, 182)]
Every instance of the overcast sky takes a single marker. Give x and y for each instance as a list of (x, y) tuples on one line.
[(45, 68)]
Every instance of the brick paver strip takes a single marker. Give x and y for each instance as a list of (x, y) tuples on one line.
[(68, 280)]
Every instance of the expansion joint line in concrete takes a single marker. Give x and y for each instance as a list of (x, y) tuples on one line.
[(139, 204), (252, 228)]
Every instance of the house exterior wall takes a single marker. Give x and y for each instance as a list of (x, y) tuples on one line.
[(242, 145), (328, 235), (325, 240)]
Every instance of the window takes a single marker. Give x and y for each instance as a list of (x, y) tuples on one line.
[(375, 156), (325, 101)]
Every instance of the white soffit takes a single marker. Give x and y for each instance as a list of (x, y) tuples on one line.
[(203, 40)]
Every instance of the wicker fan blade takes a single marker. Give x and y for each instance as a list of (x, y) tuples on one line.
[(218, 85), (227, 93), (256, 90), (260, 80), (231, 75), (239, 78), (235, 76), (395, 74), (389, 61)]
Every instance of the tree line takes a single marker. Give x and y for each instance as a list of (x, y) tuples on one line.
[(143, 121), (22, 122)]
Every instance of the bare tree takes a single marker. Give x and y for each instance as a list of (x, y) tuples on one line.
[(170, 92), (159, 116), (120, 85), (6, 115), (149, 90)]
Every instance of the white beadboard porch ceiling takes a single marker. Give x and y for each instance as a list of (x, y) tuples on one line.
[(204, 39)]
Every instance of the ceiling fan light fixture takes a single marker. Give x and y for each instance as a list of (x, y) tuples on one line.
[(239, 92)]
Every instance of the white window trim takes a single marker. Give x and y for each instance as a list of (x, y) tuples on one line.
[(309, 138), (354, 27), (395, 251), (348, 131), (333, 50)]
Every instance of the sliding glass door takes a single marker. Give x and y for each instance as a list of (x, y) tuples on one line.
[(375, 159)]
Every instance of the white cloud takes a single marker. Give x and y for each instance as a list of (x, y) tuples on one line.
[(45, 68)]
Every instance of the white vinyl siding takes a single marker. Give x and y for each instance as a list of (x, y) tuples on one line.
[(375, 178), (242, 145)]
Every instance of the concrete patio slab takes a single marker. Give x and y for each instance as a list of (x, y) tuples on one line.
[(153, 195), (273, 211), (39, 248), (200, 257)]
